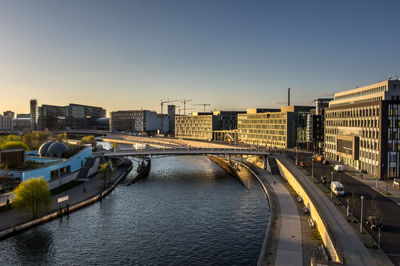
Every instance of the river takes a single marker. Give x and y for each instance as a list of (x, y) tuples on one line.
[(187, 212)]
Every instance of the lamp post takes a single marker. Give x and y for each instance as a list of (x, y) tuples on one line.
[(362, 209)]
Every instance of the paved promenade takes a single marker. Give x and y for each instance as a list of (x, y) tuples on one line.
[(289, 248), (355, 253), (90, 188)]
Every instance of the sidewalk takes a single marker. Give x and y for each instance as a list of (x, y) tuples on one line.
[(289, 248), (90, 188)]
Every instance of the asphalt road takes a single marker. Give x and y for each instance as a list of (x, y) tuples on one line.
[(388, 210)]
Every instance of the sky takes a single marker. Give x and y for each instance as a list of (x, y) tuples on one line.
[(126, 55)]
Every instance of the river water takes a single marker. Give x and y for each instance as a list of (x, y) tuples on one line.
[(187, 212)]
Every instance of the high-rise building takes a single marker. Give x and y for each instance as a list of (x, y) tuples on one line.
[(315, 125), (171, 117), (34, 114), (362, 128), (6, 123), (275, 128)]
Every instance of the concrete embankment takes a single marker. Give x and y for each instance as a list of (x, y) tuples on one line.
[(142, 174), (225, 164), (119, 174)]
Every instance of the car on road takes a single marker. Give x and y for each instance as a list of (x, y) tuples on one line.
[(302, 164), (339, 168), (337, 188), (323, 179), (325, 162)]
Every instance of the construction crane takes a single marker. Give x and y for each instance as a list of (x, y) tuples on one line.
[(168, 101), (204, 104), (187, 109), (184, 101)]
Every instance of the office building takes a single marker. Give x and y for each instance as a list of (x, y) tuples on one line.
[(22, 123), (6, 123), (201, 125), (315, 125), (137, 121), (79, 116), (171, 118), (34, 114), (362, 128), (9, 113), (51, 117), (274, 128)]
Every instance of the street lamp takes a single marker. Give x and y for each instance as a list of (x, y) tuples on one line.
[(362, 208)]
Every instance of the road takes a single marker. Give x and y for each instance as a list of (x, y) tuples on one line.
[(388, 210)]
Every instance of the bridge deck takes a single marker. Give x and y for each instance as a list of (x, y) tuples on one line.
[(182, 151)]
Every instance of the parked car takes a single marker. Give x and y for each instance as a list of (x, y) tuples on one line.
[(338, 168), (325, 162), (337, 188), (302, 164), (323, 179), (320, 158)]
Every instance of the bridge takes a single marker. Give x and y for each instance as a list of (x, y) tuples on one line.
[(177, 151)]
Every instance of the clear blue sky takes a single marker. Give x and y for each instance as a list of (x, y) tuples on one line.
[(231, 54)]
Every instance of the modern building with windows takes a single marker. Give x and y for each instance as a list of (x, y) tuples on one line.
[(201, 125), (6, 123), (34, 114), (315, 125), (51, 117), (362, 128), (79, 116), (274, 128), (138, 121)]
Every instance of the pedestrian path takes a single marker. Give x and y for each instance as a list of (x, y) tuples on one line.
[(289, 251)]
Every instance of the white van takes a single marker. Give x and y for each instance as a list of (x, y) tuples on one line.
[(337, 188), (339, 168)]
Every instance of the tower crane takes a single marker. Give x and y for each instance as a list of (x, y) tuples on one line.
[(184, 101), (204, 105), (167, 101)]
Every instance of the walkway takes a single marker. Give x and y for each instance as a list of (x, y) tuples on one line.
[(289, 251), (355, 253), (77, 194), (182, 151)]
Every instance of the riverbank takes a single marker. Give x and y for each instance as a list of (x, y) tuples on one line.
[(90, 191)]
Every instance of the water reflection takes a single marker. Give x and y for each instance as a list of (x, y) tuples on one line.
[(187, 212), (34, 246)]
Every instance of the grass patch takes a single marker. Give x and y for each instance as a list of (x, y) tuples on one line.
[(65, 187)]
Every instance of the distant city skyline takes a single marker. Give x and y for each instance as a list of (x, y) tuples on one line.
[(124, 55)]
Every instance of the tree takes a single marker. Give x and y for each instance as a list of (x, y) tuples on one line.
[(114, 145), (32, 195), (61, 136), (14, 145), (89, 140), (104, 171)]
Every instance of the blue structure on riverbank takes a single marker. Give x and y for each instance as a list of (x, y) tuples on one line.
[(56, 170)]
